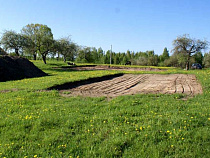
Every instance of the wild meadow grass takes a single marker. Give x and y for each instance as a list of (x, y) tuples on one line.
[(39, 123)]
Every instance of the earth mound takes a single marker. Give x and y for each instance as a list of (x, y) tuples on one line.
[(16, 68)]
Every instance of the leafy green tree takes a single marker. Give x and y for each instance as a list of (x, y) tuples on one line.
[(206, 60), (12, 40), (94, 55), (132, 55), (152, 59), (100, 55), (32, 32), (198, 57), (128, 54), (66, 47), (107, 58), (142, 60), (88, 54), (124, 60), (165, 55), (188, 46), (41, 39), (117, 58), (46, 47), (181, 58), (172, 61), (72, 49)]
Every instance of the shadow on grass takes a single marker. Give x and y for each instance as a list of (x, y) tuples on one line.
[(70, 85)]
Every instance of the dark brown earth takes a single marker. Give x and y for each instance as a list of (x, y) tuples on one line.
[(129, 84), (15, 68)]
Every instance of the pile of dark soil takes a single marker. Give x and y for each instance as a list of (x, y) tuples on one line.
[(15, 68)]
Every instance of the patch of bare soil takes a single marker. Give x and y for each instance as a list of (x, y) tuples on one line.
[(9, 90), (101, 67), (129, 84)]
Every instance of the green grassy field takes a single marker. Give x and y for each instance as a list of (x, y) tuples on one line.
[(39, 123)]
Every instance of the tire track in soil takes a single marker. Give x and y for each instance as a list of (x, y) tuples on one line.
[(129, 84)]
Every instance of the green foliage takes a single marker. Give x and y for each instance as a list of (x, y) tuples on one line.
[(206, 61), (92, 55), (187, 47), (198, 57), (164, 57), (13, 41), (39, 123), (41, 39), (66, 48)]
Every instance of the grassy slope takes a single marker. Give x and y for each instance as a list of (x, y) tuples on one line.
[(37, 123)]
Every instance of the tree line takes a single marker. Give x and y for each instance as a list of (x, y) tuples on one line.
[(36, 40)]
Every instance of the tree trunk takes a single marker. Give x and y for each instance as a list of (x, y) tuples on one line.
[(34, 55), (44, 59), (58, 56), (64, 58), (188, 62), (187, 65), (16, 51)]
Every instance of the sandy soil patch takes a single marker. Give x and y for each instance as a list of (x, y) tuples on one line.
[(129, 84)]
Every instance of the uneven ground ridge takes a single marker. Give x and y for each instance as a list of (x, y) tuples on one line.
[(129, 84)]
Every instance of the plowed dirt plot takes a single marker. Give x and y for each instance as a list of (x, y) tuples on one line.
[(129, 84)]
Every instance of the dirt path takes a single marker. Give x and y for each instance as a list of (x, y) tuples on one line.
[(129, 84), (101, 67)]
